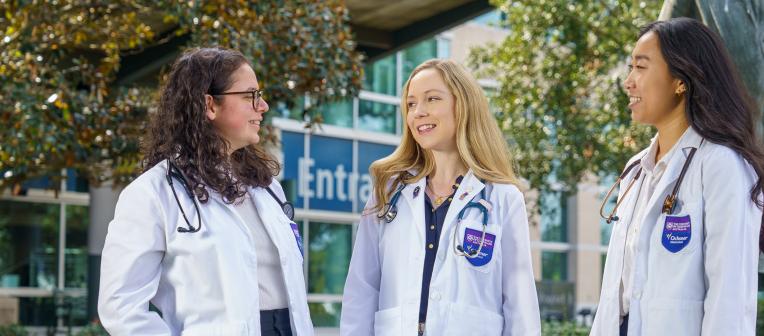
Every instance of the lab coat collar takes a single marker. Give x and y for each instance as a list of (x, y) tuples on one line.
[(690, 139), (467, 190), (413, 193), (267, 207)]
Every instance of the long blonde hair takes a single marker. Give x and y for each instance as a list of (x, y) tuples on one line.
[(486, 152)]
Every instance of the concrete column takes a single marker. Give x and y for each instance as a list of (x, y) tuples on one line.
[(585, 258), (103, 201), (534, 227)]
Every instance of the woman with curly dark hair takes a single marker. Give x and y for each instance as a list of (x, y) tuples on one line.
[(684, 252), (205, 233)]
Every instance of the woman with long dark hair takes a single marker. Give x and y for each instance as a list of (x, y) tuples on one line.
[(205, 233), (683, 253)]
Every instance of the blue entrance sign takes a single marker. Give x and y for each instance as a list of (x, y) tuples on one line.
[(326, 176)]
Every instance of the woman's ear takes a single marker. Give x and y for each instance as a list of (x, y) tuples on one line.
[(680, 88), (210, 109)]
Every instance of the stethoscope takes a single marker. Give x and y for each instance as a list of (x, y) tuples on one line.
[(174, 172), (390, 211), (669, 203)]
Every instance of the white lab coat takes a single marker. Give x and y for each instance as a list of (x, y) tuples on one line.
[(708, 287), (384, 283), (204, 283)]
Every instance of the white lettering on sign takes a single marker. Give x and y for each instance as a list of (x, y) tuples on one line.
[(329, 184)]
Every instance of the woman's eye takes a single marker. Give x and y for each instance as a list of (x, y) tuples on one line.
[(433, 98), (410, 105)]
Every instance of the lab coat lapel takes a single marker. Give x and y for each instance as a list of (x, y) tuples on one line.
[(270, 213), (217, 198), (466, 191), (415, 199), (674, 167)]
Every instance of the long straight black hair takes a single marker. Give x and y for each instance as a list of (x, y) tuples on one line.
[(717, 105)]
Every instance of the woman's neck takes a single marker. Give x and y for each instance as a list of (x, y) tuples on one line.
[(448, 166), (669, 133)]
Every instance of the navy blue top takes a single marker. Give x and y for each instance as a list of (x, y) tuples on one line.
[(433, 220)]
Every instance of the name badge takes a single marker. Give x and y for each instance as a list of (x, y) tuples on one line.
[(677, 232), (472, 243), (296, 231)]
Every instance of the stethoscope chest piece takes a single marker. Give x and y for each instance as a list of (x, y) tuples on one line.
[(669, 203), (390, 212)]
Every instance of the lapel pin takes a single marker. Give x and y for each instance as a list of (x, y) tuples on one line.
[(416, 192), (463, 196)]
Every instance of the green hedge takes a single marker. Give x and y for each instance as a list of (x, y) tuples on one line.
[(567, 328), (93, 329), (13, 330)]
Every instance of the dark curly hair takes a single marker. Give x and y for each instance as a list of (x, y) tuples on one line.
[(180, 130), (718, 106)]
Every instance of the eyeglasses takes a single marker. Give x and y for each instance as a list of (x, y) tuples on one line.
[(254, 95)]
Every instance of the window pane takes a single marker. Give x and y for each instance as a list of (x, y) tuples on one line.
[(377, 117), (35, 311), (329, 249), (282, 109), (325, 314), (75, 181), (554, 266), (76, 256), (28, 244), (379, 76), (417, 54), (338, 113), (554, 217)]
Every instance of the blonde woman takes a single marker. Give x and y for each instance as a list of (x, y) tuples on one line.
[(443, 247)]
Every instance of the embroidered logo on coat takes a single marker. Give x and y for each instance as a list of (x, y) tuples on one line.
[(296, 231), (677, 232), (472, 243)]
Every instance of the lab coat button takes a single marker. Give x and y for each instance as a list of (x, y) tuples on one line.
[(435, 296), (283, 260), (638, 295)]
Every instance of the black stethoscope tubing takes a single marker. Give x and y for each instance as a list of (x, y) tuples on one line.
[(668, 204), (173, 172)]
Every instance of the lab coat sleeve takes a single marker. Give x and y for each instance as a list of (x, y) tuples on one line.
[(131, 265), (731, 245), (361, 296), (520, 301)]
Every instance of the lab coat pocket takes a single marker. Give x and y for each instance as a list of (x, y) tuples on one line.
[(388, 322), (471, 320), (469, 238), (681, 232), (673, 318)]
